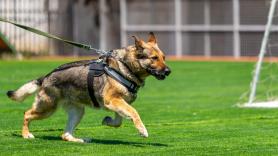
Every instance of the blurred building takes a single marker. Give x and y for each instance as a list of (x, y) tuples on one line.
[(184, 27)]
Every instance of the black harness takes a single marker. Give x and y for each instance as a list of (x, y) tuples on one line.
[(98, 68)]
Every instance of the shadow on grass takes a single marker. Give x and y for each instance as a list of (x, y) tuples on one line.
[(16, 135), (100, 141), (40, 137), (119, 142)]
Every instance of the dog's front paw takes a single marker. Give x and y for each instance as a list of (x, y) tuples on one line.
[(143, 132), (107, 120)]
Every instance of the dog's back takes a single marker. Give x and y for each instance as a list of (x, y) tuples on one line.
[(65, 74), (67, 82)]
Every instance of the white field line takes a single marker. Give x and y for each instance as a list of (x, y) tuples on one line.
[(269, 104)]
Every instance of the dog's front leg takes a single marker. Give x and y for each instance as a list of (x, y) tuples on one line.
[(121, 107)]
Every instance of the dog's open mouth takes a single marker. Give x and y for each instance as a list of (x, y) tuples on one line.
[(157, 74), (160, 77)]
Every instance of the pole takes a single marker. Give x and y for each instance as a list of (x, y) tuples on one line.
[(262, 52)]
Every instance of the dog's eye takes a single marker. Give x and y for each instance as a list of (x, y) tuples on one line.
[(154, 58)]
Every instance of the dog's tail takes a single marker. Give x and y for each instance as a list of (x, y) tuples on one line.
[(24, 91)]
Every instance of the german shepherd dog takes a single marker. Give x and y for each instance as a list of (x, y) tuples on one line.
[(68, 87)]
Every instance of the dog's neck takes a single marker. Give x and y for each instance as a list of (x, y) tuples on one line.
[(117, 61)]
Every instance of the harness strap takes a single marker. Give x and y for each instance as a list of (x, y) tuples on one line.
[(131, 86), (95, 70)]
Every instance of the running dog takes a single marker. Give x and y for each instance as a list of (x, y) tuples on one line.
[(69, 84)]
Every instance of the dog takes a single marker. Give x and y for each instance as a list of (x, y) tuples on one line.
[(68, 86)]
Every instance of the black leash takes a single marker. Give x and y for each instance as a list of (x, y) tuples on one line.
[(39, 32)]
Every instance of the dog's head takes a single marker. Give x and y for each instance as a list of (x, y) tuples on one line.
[(147, 59)]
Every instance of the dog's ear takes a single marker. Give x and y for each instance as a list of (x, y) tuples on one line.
[(138, 43), (152, 38)]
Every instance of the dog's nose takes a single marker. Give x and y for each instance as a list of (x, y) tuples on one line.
[(167, 71)]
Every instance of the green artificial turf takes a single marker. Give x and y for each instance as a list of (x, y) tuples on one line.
[(192, 112)]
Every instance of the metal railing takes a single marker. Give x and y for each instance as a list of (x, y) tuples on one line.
[(203, 27)]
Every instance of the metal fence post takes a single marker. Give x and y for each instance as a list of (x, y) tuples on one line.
[(123, 18), (178, 33), (236, 25), (207, 40)]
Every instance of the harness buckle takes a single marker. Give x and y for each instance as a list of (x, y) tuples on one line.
[(131, 85)]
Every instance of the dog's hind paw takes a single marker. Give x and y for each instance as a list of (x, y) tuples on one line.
[(28, 136), (69, 137)]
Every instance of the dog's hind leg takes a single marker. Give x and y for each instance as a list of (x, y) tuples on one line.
[(119, 106), (43, 107), (75, 114), (116, 122)]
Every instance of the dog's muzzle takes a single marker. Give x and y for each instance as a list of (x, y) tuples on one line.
[(159, 74)]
